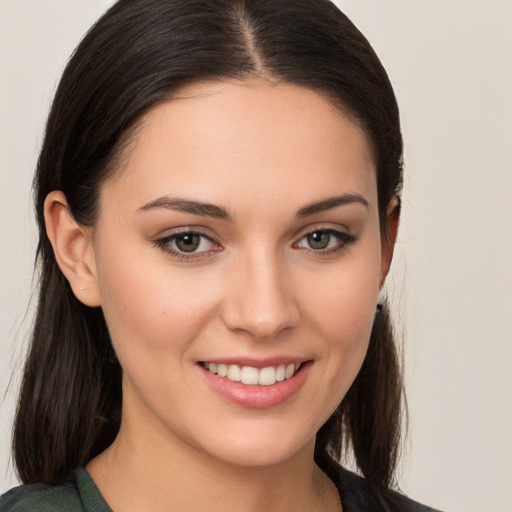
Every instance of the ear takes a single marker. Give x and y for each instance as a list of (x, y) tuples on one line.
[(389, 237), (73, 248)]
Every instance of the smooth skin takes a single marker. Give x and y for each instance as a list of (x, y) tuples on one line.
[(258, 273)]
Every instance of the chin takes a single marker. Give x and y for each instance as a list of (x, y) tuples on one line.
[(260, 457), (260, 448)]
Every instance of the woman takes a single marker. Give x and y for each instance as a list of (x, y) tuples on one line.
[(217, 196)]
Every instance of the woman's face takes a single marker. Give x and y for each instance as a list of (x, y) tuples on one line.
[(240, 236)]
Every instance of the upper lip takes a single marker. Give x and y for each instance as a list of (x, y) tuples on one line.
[(257, 362)]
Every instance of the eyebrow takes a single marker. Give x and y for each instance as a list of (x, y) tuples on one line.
[(218, 212), (332, 202), (185, 205)]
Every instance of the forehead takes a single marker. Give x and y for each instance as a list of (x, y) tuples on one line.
[(228, 138)]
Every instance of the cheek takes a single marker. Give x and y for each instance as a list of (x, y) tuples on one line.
[(152, 310), (345, 303), (343, 312)]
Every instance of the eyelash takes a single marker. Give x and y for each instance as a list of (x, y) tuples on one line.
[(344, 239)]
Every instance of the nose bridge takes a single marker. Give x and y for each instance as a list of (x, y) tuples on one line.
[(260, 302)]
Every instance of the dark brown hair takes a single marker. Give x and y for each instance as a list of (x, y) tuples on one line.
[(136, 56)]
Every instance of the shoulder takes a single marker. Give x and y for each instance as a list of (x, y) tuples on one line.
[(41, 497), (358, 494), (75, 493)]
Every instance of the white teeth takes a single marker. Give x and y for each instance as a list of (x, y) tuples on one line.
[(267, 376), (222, 370), (251, 376), (234, 373)]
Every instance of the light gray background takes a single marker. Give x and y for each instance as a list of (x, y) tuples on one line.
[(451, 65)]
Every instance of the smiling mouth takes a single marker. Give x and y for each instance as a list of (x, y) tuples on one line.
[(251, 376)]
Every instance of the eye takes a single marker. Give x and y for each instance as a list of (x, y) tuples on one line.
[(325, 240), (318, 239), (191, 242), (187, 244)]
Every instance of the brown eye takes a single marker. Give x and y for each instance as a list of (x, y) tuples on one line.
[(188, 242)]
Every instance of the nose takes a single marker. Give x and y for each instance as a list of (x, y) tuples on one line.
[(260, 299)]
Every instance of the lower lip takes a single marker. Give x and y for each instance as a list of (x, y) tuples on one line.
[(257, 397)]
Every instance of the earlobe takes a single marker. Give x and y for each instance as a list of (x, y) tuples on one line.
[(389, 236), (73, 248)]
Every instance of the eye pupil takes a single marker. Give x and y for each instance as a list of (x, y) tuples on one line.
[(319, 239), (188, 242)]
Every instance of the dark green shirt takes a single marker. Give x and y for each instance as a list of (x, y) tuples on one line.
[(78, 493)]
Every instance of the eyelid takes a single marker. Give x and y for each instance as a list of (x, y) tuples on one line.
[(335, 228), (178, 230)]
